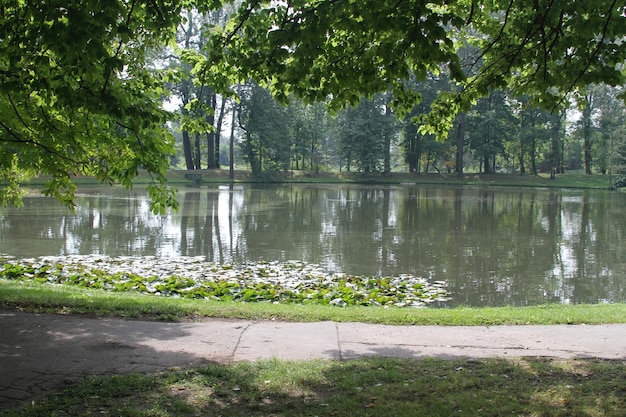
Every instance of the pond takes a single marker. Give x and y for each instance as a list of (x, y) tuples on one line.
[(493, 245)]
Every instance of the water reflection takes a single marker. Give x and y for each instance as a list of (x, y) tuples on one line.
[(495, 246)]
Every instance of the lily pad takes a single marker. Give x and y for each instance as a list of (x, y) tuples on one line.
[(193, 277)]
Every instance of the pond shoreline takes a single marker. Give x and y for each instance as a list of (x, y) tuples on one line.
[(195, 278), (29, 296), (571, 180), (222, 176), (494, 246)]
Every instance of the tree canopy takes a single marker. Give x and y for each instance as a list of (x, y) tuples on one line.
[(79, 97), (344, 49)]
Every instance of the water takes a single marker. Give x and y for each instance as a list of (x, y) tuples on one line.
[(494, 246)]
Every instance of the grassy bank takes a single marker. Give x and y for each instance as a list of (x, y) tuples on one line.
[(368, 387), (43, 298), (222, 176), (569, 180)]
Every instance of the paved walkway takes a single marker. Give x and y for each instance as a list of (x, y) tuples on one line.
[(41, 352)]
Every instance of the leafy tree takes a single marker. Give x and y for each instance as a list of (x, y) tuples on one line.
[(556, 144), (610, 147), (78, 98), (185, 89), (533, 132), (202, 118), (490, 124), (347, 49), (586, 123), (307, 128), (415, 143), (573, 151), (267, 145), (460, 126), (362, 133)]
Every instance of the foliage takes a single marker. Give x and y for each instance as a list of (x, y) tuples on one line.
[(198, 100), (291, 282), (610, 143), (620, 182), (308, 126), (490, 124), (266, 145), (361, 132), (415, 143), (533, 129), (344, 50), (77, 97)]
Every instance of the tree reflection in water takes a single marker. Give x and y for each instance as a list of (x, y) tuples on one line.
[(494, 246)]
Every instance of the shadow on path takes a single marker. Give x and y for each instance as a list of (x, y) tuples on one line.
[(41, 352)]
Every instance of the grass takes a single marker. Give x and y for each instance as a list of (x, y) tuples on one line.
[(368, 387), (221, 176), (381, 387), (44, 298), (568, 180)]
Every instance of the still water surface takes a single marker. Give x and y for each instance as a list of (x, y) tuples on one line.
[(494, 246)]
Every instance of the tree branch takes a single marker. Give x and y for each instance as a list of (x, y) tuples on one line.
[(20, 140), (119, 48), (609, 15)]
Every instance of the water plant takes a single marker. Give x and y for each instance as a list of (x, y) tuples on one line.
[(194, 277)]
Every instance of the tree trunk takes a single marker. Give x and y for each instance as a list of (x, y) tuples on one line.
[(587, 146), (387, 145), (218, 133), (210, 158), (197, 155), (260, 160), (187, 150), (522, 166), (487, 164), (185, 90), (555, 148), (231, 150), (412, 155), (532, 151), (587, 134), (312, 162), (533, 155), (460, 145), (210, 142)]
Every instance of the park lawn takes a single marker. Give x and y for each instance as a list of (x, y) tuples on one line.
[(568, 180), (365, 387), (179, 178)]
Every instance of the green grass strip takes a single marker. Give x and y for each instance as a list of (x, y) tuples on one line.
[(44, 298)]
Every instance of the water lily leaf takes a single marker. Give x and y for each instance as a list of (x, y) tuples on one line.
[(192, 277)]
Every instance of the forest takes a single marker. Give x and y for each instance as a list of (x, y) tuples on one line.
[(107, 90), (500, 133)]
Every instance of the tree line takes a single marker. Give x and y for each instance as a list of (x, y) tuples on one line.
[(499, 133), (83, 84)]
